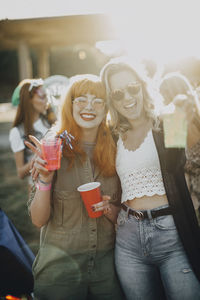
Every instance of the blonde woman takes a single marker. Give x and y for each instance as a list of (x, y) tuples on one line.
[(158, 239)]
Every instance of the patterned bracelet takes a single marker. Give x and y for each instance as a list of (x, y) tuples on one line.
[(43, 182)]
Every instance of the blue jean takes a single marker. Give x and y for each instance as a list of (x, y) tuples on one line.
[(149, 257)]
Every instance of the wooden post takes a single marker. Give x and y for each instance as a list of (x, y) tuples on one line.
[(25, 63), (43, 63)]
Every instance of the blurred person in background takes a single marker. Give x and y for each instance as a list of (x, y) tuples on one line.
[(76, 256), (50, 113), (158, 238), (56, 88), (31, 118), (171, 86)]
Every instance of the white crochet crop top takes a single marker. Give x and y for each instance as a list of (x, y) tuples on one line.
[(139, 170)]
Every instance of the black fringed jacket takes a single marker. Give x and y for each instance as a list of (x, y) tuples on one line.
[(172, 161)]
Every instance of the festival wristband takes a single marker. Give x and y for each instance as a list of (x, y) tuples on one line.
[(43, 187)]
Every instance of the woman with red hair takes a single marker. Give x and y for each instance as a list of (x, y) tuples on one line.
[(75, 259)]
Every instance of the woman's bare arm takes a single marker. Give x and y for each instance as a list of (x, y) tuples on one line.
[(22, 168), (40, 207)]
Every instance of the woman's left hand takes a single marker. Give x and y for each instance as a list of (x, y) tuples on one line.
[(186, 104), (181, 103), (104, 205), (109, 210)]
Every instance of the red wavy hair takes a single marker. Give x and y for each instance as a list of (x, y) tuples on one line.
[(105, 148)]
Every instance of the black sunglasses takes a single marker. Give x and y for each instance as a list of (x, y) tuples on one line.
[(133, 89)]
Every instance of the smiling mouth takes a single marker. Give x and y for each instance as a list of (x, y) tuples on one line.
[(130, 105), (88, 117)]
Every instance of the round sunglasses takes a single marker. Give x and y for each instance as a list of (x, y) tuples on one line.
[(83, 101)]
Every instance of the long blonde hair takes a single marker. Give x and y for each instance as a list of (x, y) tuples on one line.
[(119, 123), (105, 149)]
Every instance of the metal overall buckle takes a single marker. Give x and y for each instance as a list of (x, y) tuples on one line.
[(138, 215)]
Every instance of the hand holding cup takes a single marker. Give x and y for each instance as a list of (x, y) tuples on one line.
[(91, 195), (103, 206), (51, 152), (38, 164)]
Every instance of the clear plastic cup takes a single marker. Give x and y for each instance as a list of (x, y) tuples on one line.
[(51, 152), (175, 129), (90, 193)]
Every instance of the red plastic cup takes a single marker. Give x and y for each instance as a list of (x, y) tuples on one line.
[(51, 152), (90, 193)]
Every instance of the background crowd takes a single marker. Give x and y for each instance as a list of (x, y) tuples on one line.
[(36, 113)]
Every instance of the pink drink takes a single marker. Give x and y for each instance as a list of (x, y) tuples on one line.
[(51, 151)]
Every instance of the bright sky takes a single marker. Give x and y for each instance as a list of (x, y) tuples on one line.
[(21, 9), (158, 29), (161, 28)]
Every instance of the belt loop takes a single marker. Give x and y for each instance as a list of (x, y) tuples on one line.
[(149, 214), (127, 212)]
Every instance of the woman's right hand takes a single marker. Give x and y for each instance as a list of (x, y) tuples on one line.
[(37, 162), (39, 170)]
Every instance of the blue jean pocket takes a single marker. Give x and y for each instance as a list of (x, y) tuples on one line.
[(165, 222), (122, 217)]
